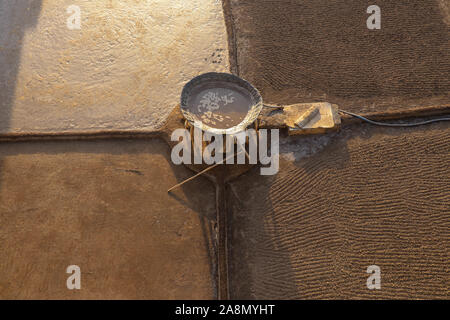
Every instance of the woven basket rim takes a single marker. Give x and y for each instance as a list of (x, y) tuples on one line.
[(251, 116)]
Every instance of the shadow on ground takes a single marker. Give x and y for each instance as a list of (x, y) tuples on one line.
[(16, 17), (371, 196)]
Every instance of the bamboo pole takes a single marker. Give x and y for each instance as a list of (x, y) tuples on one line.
[(202, 172)]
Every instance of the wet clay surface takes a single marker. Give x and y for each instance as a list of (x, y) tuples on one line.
[(124, 69), (304, 51), (340, 203), (103, 205)]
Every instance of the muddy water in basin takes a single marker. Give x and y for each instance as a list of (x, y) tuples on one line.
[(220, 106)]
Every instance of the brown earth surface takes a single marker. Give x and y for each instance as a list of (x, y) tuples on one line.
[(364, 196), (104, 206), (352, 199), (303, 51)]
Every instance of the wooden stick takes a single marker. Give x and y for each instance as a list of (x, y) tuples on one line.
[(202, 172), (242, 146)]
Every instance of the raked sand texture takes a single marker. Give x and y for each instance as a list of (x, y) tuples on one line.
[(368, 196), (303, 51), (124, 69)]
